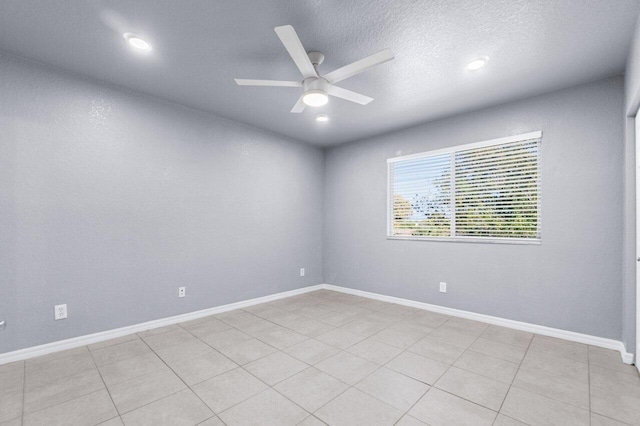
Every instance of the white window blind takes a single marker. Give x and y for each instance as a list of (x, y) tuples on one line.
[(485, 190)]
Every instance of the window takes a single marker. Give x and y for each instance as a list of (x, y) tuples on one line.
[(485, 191)]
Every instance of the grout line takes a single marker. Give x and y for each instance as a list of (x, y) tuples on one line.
[(517, 371), (24, 390), (103, 382)]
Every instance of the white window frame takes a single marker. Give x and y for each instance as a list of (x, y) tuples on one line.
[(450, 150)]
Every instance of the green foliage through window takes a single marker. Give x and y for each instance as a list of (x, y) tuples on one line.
[(481, 191)]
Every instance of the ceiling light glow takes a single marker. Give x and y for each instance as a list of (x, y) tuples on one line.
[(315, 98), (478, 63), (322, 118), (136, 42)]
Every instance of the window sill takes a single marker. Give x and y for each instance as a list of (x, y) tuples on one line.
[(484, 240)]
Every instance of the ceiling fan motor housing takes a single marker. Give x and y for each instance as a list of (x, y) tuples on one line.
[(315, 84)]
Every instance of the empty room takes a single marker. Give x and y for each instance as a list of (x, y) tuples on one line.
[(316, 212)]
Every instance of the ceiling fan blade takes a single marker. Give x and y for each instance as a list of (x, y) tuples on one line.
[(294, 46), (274, 83), (299, 106), (348, 95), (359, 66)]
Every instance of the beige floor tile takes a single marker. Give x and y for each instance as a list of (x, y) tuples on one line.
[(375, 350), (311, 421), (436, 350), (503, 351), (488, 366), (598, 420), (202, 367), (453, 336), (142, 390), (39, 373), (116, 421), (228, 389), (208, 328), (347, 367), (111, 342), (14, 422), (11, 404), (311, 388), (555, 366), (340, 338), (338, 319), (473, 387), (183, 408), (429, 319), (407, 420), (622, 405), (310, 327), (418, 367), (12, 376), (312, 312), (187, 325), (508, 336), (364, 327), (121, 371), (573, 351), (611, 360), (58, 356), (569, 390), (438, 408), (503, 420), (281, 338), (89, 410), (468, 326), (171, 338), (184, 352), (400, 337), (264, 409), (535, 409), (275, 368), (62, 390), (226, 338), (311, 351), (355, 408), (159, 330), (213, 421), (613, 380), (247, 351), (395, 389), (120, 352)]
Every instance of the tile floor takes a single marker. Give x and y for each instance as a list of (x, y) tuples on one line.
[(324, 358)]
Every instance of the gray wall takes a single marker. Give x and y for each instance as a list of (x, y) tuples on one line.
[(110, 200), (572, 281), (632, 100)]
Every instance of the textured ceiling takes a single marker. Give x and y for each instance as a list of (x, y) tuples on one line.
[(201, 45)]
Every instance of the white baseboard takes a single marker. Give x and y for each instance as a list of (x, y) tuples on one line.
[(88, 339), (601, 342), (75, 342)]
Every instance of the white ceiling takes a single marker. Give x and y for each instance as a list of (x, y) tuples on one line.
[(201, 45)]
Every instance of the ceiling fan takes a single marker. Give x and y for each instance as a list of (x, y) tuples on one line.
[(317, 88)]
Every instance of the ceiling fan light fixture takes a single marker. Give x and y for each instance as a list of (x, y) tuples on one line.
[(136, 42), (315, 98), (477, 63)]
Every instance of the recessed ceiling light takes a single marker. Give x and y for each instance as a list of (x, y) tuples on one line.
[(322, 117), (136, 42), (478, 63), (315, 98)]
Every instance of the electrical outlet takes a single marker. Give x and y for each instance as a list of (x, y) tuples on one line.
[(302, 272), (443, 287), (60, 312), (182, 291)]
